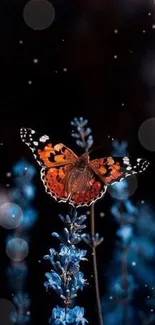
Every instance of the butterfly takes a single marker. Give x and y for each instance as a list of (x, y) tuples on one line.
[(73, 179)]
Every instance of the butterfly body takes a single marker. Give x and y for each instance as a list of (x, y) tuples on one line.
[(76, 180)]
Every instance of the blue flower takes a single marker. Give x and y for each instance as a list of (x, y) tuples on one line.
[(66, 279), (54, 281), (126, 233), (71, 254), (58, 316), (21, 299), (29, 191), (29, 217), (92, 241), (62, 316), (119, 149), (79, 280), (24, 167), (51, 256), (83, 134), (78, 314), (120, 287)]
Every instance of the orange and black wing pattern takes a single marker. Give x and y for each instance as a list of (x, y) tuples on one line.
[(112, 170), (47, 154), (56, 161)]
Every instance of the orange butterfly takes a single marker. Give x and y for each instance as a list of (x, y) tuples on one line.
[(76, 180)]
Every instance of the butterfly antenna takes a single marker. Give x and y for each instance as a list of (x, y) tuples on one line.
[(95, 149)]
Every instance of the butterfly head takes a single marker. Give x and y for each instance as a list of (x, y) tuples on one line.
[(82, 162)]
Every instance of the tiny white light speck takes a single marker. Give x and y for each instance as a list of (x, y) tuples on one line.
[(153, 26), (25, 168), (30, 82), (122, 104), (110, 297), (35, 61), (144, 31), (8, 174), (65, 69), (148, 297), (116, 31), (133, 263), (145, 285), (56, 71), (63, 40), (28, 313), (115, 56), (152, 310), (20, 42), (142, 202), (149, 14)]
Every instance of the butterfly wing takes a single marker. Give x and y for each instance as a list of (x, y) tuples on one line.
[(92, 190), (56, 162), (112, 170), (47, 154), (67, 184), (55, 181)]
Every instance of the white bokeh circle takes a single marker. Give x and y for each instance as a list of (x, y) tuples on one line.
[(17, 249), (11, 215), (146, 134), (6, 309), (39, 14)]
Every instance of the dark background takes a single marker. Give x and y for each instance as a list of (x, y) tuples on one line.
[(94, 86)]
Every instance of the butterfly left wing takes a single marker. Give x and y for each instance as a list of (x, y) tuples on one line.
[(47, 154), (112, 170)]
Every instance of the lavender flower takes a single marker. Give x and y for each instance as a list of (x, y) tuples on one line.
[(82, 134), (62, 316), (23, 193), (22, 303), (65, 277), (119, 149)]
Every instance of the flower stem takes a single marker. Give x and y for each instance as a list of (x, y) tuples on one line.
[(95, 268), (124, 279), (125, 286)]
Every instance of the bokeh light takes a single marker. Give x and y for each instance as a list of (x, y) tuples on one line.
[(39, 14), (11, 215), (146, 134), (6, 309), (123, 189), (17, 249)]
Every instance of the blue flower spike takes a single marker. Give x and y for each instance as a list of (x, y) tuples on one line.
[(92, 241), (65, 277), (82, 133)]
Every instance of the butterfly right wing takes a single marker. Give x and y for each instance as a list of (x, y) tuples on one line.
[(111, 170)]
